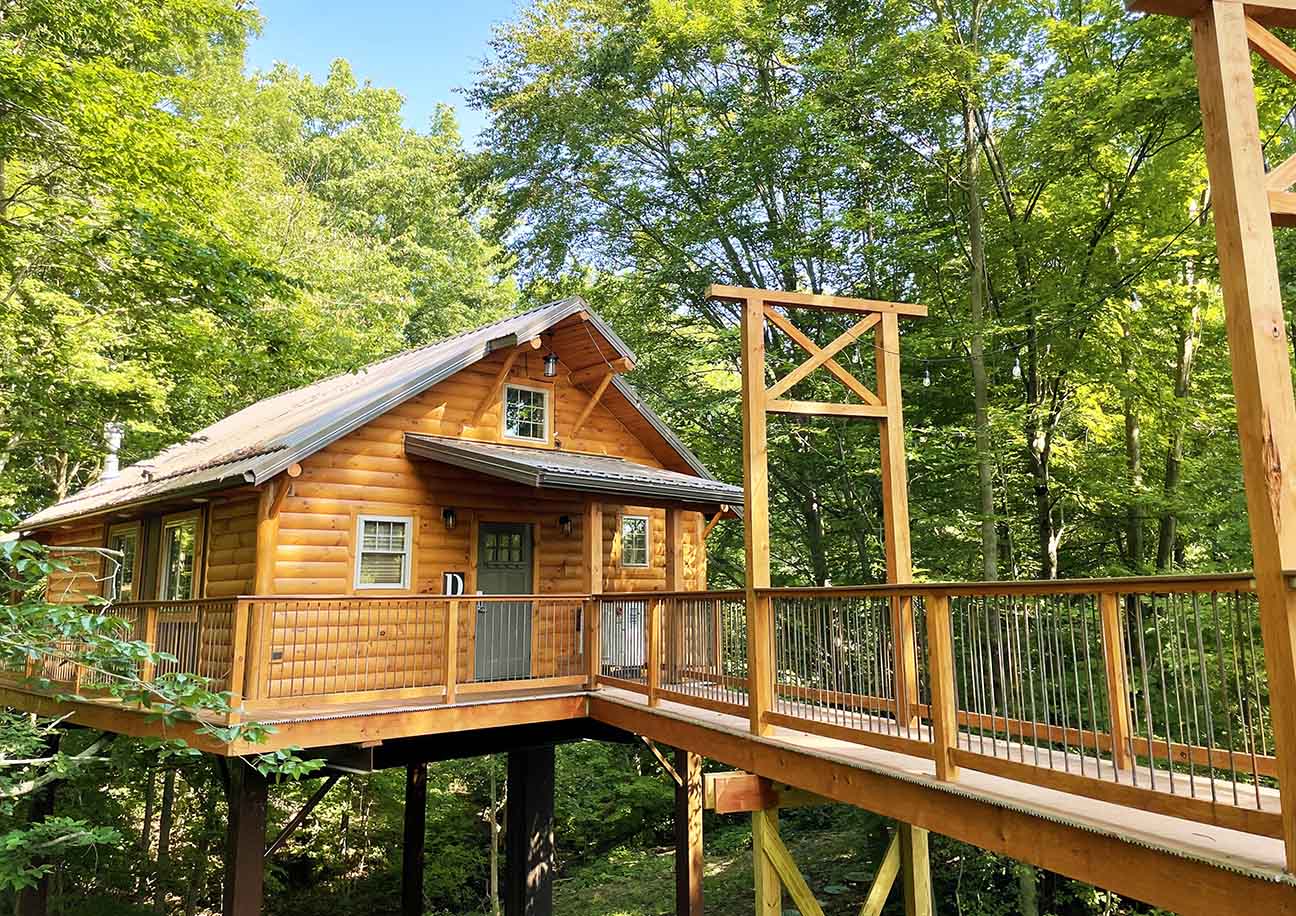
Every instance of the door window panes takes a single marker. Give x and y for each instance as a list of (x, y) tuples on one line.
[(526, 414), (383, 558), (179, 559), (634, 540)]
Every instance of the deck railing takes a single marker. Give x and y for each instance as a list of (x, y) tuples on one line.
[(1145, 692)]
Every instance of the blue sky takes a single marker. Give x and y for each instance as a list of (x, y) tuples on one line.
[(426, 50)]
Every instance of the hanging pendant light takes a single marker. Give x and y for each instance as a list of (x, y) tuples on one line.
[(926, 377), (551, 365), (1016, 367)]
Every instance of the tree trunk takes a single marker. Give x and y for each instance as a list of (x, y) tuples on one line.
[(1168, 530), (980, 383), (493, 820), (1134, 510), (164, 841)]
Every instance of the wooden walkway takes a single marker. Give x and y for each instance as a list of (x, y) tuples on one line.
[(1186, 866)]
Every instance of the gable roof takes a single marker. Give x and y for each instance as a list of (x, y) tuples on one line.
[(265, 438)]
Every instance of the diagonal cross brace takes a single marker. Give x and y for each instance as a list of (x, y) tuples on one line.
[(822, 356)]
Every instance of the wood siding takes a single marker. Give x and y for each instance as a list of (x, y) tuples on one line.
[(231, 547), (81, 578)]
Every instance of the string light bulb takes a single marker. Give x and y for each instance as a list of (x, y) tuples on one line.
[(926, 377), (1016, 367), (1135, 303)]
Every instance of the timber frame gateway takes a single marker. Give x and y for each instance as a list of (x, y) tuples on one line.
[(1138, 734)]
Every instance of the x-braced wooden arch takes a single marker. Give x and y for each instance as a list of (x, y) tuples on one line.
[(884, 405), (1247, 203)]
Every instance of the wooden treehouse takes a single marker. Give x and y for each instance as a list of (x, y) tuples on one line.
[(494, 537)]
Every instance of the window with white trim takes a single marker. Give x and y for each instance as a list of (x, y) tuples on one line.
[(384, 543), (634, 540), (526, 413), (124, 539), (178, 580)]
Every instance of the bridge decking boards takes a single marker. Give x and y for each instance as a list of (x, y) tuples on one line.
[(1166, 861)]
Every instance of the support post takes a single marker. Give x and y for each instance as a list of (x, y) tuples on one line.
[(267, 534), (34, 900), (245, 840), (528, 839), (412, 857), (895, 512), (1266, 410), (673, 620), (944, 711), (688, 834), (1117, 682), (593, 536), (915, 864), (760, 650), (769, 889)]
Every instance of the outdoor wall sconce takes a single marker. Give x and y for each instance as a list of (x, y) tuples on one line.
[(551, 365), (565, 524), (448, 516)]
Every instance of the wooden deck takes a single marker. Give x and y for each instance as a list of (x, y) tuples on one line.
[(1116, 731)]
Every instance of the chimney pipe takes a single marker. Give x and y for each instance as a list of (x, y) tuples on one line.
[(113, 439)]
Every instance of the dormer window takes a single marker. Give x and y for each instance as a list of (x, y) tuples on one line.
[(526, 413)]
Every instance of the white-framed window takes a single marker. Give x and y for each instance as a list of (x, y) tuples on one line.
[(526, 413), (120, 586), (178, 571), (383, 546), (634, 540)]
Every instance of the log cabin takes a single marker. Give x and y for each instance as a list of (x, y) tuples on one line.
[(512, 459)]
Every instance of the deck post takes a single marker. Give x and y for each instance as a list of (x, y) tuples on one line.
[(245, 839), (652, 651), (688, 834), (593, 617), (944, 711), (760, 651), (1266, 410), (915, 865), (1117, 679), (412, 857), (529, 839), (451, 649)]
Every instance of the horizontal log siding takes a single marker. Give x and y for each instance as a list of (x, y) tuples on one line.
[(81, 578), (231, 547)]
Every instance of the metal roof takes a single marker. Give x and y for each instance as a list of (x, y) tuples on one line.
[(263, 439), (558, 470)]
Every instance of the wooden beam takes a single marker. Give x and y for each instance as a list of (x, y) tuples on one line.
[(784, 324), (1282, 208), (1281, 177), (1266, 409), (595, 372), (492, 393), (412, 852), (742, 793), (884, 880), (675, 550), (826, 409), (710, 525), (666, 765), (785, 866), (688, 834), (760, 646), (1271, 48), (813, 300), (245, 840), (915, 866), (304, 812), (1273, 13), (819, 357), (592, 402)]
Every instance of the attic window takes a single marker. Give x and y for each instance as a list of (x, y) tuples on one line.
[(526, 413)]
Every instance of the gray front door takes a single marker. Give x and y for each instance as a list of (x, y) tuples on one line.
[(503, 627)]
